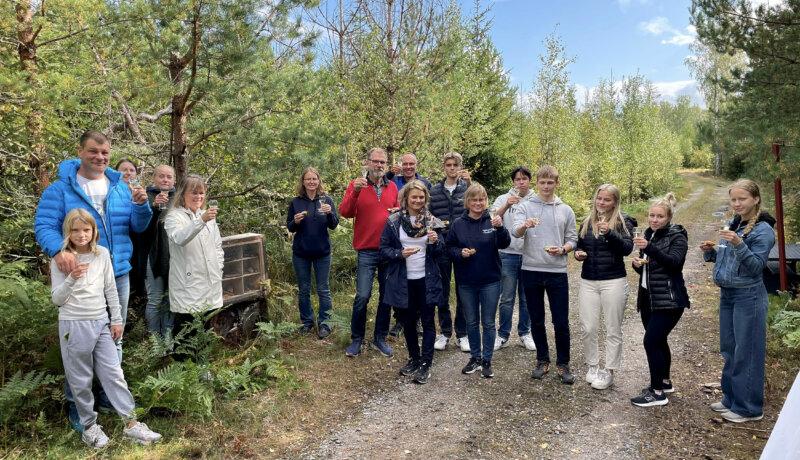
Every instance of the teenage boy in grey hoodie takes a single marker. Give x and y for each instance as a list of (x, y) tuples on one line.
[(547, 225)]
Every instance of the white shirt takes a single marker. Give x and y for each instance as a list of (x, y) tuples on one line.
[(415, 263), (96, 190), (450, 188), (86, 298)]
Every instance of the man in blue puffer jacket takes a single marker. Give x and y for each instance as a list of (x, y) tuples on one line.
[(89, 183)]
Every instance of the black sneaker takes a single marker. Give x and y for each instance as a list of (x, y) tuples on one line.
[(540, 369), (306, 328), (487, 371), (472, 366), (324, 331), (566, 376), (649, 398), (396, 330), (423, 373), (411, 366)]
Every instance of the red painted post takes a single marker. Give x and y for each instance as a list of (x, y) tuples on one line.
[(776, 150)]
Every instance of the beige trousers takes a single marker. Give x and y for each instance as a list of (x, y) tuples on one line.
[(610, 297)]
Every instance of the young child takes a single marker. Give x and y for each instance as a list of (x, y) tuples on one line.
[(87, 338)]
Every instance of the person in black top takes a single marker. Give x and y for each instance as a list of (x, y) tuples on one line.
[(447, 204), (411, 246), (662, 294), (311, 214), (473, 243), (605, 237), (157, 313)]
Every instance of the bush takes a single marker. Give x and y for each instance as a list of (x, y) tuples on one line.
[(783, 317), (181, 387)]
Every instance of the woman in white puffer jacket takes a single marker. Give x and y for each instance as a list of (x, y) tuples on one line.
[(196, 256)]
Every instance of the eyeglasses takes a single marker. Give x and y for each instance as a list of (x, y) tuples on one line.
[(379, 162)]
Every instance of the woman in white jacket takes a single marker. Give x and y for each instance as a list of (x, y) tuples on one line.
[(196, 257)]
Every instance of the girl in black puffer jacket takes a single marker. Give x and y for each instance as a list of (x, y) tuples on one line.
[(662, 294), (605, 237)]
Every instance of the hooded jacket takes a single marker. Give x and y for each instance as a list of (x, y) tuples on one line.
[(508, 219), (396, 293), (484, 266), (196, 262), (605, 253), (666, 254), (556, 228), (311, 239), (153, 245), (124, 216), (743, 265)]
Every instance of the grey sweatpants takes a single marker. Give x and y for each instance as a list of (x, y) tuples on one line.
[(87, 350)]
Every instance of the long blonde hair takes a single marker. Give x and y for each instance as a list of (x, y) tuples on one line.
[(614, 218), (82, 215), (753, 189)]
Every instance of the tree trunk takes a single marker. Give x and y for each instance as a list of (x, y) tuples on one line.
[(34, 125)]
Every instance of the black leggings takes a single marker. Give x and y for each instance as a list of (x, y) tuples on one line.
[(417, 308), (657, 326)]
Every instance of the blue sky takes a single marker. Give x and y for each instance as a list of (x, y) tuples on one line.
[(607, 38)]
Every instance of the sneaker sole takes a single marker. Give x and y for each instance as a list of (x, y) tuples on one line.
[(141, 442), (721, 411), (743, 419), (651, 404), (599, 387), (488, 376), (671, 390), (472, 371), (422, 381)]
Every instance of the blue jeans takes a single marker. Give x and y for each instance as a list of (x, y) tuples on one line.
[(302, 270), (445, 317), (368, 262), (556, 286), (512, 284), (480, 302), (743, 344), (159, 318)]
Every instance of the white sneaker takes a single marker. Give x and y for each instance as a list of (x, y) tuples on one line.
[(463, 342), (141, 434), (499, 343), (527, 342), (604, 379), (591, 374), (94, 437), (441, 342)]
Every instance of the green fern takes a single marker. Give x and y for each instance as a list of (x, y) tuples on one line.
[(179, 387), (787, 324), (14, 394)]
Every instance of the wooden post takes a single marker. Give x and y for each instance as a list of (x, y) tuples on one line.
[(776, 150)]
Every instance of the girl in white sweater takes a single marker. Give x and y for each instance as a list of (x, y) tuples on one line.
[(87, 335)]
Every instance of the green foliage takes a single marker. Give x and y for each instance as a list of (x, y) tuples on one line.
[(783, 316), (197, 342), (28, 320), (249, 377), (182, 387), (17, 401)]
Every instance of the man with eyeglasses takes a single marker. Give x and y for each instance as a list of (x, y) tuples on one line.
[(369, 200)]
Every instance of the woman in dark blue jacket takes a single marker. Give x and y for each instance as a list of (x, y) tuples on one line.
[(311, 214), (473, 243), (411, 246)]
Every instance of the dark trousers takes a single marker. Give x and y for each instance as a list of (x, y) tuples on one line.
[(445, 317), (556, 286), (657, 326), (417, 308)]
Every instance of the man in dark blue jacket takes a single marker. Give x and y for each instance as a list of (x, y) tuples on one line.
[(447, 204), (406, 172)]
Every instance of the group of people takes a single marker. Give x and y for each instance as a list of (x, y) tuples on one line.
[(413, 234), (97, 223)]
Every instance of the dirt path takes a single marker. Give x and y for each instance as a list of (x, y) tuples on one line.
[(513, 416)]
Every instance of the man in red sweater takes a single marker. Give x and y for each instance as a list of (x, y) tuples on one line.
[(369, 200)]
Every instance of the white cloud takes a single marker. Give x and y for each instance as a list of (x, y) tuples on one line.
[(656, 26), (660, 25)]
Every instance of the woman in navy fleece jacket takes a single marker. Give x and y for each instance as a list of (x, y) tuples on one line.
[(311, 214), (473, 243)]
